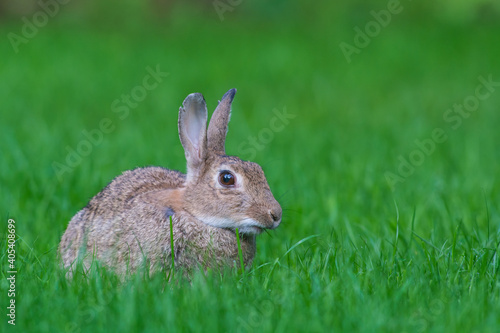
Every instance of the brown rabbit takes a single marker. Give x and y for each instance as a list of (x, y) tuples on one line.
[(127, 224)]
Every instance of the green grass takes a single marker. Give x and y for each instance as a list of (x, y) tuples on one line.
[(351, 254)]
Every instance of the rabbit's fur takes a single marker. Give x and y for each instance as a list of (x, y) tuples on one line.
[(126, 225)]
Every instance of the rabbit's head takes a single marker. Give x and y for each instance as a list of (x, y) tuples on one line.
[(222, 191)]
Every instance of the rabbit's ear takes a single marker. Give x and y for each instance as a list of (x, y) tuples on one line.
[(193, 132), (217, 129)]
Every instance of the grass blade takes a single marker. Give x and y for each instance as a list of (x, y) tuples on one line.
[(240, 253), (172, 246)]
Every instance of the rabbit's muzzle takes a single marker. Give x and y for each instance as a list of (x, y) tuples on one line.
[(275, 215)]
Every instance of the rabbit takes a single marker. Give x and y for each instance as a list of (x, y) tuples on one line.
[(127, 225)]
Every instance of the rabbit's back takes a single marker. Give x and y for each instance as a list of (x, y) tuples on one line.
[(120, 218), (126, 189)]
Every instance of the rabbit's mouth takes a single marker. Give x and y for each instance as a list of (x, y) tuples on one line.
[(251, 226), (251, 229), (245, 226)]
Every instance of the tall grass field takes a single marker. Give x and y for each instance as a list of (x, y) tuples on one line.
[(379, 138)]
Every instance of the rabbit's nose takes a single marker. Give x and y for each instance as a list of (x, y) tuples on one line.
[(276, 217)]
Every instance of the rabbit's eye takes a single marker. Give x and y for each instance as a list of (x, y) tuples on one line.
[(226, 178)]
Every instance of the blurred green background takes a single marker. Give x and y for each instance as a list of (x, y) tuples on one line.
[(67, 65), (353, 117)]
